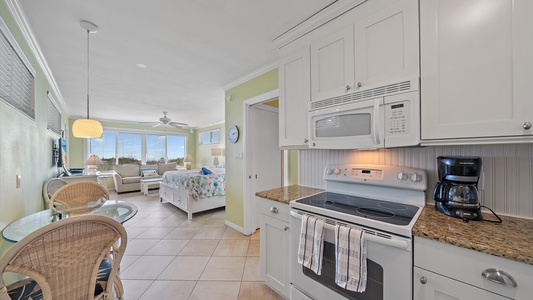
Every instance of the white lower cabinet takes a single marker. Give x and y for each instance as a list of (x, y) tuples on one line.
[(275, 245), (432, 286), (446, 272), (298, 295)]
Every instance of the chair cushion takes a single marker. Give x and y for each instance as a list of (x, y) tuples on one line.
[(167, 167), (133, 179), (28, 289), (127, 170)]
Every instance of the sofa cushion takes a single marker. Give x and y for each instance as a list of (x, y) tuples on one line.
[(127, 170), (167, 167), (131, 179)]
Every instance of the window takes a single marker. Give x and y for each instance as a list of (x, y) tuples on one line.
[(129, 149), (116, 147), (54, 117), (16, 74), (105, 148), (209, 137)]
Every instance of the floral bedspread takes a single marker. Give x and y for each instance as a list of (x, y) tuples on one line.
[(197, 185)]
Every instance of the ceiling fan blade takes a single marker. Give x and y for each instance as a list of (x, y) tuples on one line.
[(157, 125), (174, 125), (178, 123)]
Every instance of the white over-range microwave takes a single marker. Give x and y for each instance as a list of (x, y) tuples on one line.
[(383, 117)]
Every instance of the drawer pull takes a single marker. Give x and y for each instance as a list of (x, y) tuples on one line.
[(274, 210), (499, 276)]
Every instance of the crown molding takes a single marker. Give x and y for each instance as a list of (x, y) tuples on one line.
[(251, 75), (25, 29), (320, 18)]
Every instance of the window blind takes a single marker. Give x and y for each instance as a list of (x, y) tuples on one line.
[(16, 80), (54, 117)]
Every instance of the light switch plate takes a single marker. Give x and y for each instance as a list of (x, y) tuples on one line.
[(238, 155)]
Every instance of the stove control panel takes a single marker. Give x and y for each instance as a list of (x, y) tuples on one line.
[(392, 176)]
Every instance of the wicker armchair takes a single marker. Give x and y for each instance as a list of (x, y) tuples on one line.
[(79, 197), (51, 186), (64, 258)]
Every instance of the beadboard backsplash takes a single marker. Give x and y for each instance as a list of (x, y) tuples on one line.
[(506, 183)]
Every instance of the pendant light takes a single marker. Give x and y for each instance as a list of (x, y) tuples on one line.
[(87, 128)]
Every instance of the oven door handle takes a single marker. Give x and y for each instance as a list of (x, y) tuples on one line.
[(369, 237)]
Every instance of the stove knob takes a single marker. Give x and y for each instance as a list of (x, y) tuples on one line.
[(416, 177), (329, 171), (403, 176), (337, 171)]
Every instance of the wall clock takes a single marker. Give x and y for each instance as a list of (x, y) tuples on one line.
[(233, 134)]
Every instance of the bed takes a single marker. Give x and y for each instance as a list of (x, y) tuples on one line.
[(193, 192)]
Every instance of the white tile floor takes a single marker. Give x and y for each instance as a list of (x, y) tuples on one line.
[(169, 257)]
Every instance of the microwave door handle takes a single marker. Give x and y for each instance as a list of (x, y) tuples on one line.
[(375, 120)]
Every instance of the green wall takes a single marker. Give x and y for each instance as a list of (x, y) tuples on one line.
[(76, 159), (25, 144), (234, 116)]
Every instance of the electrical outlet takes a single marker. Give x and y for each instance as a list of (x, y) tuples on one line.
[(18, 180)]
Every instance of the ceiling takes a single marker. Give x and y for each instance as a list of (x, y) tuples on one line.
[(192, 49)]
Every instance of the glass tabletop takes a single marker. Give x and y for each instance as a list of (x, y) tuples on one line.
[(14, 232)]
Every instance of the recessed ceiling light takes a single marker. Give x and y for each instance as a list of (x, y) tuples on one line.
[(142, 66)]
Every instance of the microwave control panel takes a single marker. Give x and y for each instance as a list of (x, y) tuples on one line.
[(397, 116)]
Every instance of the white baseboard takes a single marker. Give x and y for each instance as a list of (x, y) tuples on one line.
[(236, 227)]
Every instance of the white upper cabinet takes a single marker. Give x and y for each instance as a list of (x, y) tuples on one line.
[(332, 64), (387, 46), (476, 69), (294, 98)]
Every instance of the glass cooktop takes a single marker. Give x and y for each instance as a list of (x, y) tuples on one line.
[(384, 211)]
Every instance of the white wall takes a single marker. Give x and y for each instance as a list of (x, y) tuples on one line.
[(507, 185)]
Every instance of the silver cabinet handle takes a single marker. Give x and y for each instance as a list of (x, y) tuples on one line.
[(527, 125), (423, 280), (306, 141), (499, 276), (359, 84), (274, 210), (286, 228), (348, 88)]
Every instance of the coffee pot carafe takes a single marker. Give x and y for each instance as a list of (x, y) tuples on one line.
[(456, 194)]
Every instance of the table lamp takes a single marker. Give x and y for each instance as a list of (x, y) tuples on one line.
[(216, 152), (188, 160), (92, 164)]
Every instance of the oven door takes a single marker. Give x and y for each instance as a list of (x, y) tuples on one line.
[(358, 125), (389, 266)]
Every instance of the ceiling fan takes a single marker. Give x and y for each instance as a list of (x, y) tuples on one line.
[(164, 120)]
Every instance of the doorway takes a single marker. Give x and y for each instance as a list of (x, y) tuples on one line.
[(263, 159)]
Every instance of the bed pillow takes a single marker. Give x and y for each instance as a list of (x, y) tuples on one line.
[(206, 171), (150, 173)]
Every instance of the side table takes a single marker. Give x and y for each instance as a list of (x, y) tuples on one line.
[(146, 184)]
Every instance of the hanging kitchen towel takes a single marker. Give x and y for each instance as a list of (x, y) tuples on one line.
[(311, 245), (350, 258)]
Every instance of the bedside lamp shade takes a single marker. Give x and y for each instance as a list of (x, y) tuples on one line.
[(216, 152), (188, 160)]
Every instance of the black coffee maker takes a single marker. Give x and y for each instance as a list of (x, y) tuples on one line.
[(456, 193)]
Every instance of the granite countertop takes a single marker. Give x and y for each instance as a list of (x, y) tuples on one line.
[(511, 239), (288, 193)]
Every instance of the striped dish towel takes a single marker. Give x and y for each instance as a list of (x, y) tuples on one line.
[(311, 245), (350, 258)]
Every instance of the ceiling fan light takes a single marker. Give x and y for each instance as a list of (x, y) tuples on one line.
[(87, 128)]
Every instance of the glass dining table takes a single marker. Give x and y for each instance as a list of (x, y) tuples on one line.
[(119, 210)]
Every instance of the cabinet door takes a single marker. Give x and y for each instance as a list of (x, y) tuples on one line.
[(387, 45), (275, 254), (437, 287), (332, 65), (475, 67), (294, 97)]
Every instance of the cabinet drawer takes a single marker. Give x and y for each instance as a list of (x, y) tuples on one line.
[(274, 209), (467, 266)]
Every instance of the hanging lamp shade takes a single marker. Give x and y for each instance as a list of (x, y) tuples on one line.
[(87, 128)]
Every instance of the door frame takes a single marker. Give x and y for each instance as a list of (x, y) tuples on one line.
[(248, 203)]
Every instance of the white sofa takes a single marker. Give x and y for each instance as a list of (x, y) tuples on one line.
[(127, 178)]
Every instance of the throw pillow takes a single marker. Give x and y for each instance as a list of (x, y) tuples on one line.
[(206, 171), (150, 173)]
